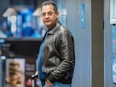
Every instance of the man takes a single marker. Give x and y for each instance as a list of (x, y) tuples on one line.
[(56, 57)]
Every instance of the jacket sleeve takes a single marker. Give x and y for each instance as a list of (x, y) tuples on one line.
[(66, 49)]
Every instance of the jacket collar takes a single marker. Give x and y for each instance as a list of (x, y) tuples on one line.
[(53, 30)]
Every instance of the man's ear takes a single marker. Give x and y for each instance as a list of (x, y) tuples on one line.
[(57, 13)]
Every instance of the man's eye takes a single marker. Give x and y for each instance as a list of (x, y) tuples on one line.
[(43, 14), (50, 13)]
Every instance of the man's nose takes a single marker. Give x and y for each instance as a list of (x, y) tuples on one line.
[(46, 16)]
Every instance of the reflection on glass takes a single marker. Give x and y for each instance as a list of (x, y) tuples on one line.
[(82, 15), (23, 25), (114, 53), (114, 9)]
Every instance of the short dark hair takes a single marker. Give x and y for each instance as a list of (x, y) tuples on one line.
[(50, 3)]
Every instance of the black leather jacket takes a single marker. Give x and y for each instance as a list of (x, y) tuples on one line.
[(58, 55)]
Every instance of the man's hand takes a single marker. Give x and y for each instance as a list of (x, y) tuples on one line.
[(36, 75), (48, 83)]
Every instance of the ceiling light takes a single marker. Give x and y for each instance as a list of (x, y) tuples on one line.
[(9, 12)]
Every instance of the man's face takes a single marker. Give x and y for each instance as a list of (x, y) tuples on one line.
[(49, 16)]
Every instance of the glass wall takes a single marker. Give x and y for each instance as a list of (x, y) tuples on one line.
[(114, 52)]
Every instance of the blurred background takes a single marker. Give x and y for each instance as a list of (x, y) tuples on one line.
[(21, 31), (21, 18)]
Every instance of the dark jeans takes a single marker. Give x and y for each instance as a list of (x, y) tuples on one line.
[(58, 84)]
